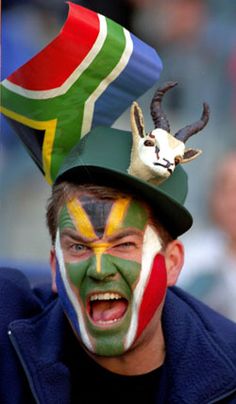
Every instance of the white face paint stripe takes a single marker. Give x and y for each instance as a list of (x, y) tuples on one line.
[(151, 247), (90, 102), (70, 294)]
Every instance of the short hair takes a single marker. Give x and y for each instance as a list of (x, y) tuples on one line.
[(67, 190)]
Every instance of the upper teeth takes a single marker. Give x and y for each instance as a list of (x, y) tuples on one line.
[(104, 296)]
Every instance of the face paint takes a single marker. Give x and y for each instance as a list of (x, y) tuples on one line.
[(151, 287), (69, 300), (106, 273)]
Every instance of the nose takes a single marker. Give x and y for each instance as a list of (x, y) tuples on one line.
[(101, 267)]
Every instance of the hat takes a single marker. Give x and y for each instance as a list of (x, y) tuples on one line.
[(103, 156)]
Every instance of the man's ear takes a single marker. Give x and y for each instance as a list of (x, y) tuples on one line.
[(174, 257), (53, 268)]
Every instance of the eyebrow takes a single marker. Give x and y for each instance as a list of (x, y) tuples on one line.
[(74, 235), (123, 233)]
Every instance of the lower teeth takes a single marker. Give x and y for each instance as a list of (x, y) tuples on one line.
[(108, 321)]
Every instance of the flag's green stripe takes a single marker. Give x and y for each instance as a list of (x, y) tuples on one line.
[(69, 107), (100, 68), (39, 110)]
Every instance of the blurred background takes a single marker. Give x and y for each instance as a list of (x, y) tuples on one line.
[(196, 40)]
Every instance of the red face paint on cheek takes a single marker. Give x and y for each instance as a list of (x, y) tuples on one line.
[(154, 293)]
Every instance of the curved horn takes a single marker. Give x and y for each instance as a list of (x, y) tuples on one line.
[(158, 116), (189, 130)]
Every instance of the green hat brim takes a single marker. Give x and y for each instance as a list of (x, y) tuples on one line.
[(102, 157)]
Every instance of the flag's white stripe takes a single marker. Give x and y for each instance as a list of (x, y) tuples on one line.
[(45, 94), (70, 294), (90, 102), (151, 246)]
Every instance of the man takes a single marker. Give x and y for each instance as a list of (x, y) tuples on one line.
[(113, 320), (112, 326)]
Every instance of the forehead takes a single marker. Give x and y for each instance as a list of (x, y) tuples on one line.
[(92, 216)]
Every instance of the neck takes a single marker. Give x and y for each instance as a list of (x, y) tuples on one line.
[(147, 354)]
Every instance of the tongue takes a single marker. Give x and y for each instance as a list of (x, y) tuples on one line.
[(103, 310)]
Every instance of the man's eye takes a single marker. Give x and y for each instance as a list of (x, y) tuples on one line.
[(79, 247), (125, 246)]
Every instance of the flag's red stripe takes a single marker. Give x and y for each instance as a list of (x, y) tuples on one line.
[(154, 293), (49, 68)]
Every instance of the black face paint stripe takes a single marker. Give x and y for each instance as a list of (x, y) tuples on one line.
[(98, 212)]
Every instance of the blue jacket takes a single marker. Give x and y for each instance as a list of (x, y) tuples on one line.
[(200, 346)]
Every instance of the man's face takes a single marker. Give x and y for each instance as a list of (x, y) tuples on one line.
[(110, 276)]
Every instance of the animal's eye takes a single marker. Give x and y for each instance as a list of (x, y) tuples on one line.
[(177, 160), (148, 143)]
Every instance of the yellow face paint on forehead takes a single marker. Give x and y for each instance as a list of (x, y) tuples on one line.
[(116, 217), (84, 224), (81, 219)]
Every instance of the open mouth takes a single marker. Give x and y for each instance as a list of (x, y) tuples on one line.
[(106, 308)]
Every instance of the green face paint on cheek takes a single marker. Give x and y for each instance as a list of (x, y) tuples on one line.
[(77, 272), (83, 275), (110, 340), (129, 270)]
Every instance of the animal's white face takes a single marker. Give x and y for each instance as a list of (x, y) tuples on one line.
[(155, 155), (161, 152)]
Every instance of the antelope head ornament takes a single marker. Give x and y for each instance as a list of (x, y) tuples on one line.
[(155, 155)]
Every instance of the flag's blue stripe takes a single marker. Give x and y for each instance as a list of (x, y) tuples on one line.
[(140, 74)]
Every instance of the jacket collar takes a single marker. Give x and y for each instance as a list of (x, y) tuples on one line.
[(40, 343), (200, 368), (194, 354)]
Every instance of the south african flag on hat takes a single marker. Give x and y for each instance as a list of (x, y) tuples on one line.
[(86, 77)]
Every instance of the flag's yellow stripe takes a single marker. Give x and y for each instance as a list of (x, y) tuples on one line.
[(50, 129)]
